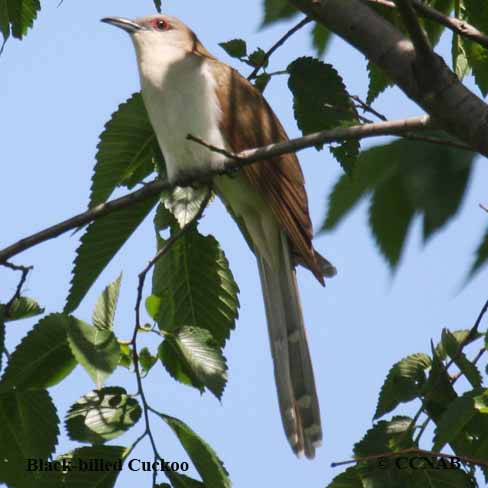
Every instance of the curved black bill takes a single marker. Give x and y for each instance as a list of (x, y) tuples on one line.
[(125, 24)]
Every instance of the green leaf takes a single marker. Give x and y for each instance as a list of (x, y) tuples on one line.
[(196, 286), (183, 203), (321, 101), (101, 241), (104, 313), (17, 17), (320, 38), (147, 360), (258, 58), (438, 391), (453, 348), (460, 62), (390, 215), (386, 437), (23, 308), (236, 48), (406, 178), (461, 336), (43, 357), (127, 144), (102, 415), (88, 468), (476, 13), (350, 478), (28, 429), (163, 218), (373, 166), (481, 256), (125, 355), (197, 356), (158, 5), (208, 465), (403, 383), (378, 82), (182, 481), (277, 10), (453, 421), (97, 350), (261, 81)]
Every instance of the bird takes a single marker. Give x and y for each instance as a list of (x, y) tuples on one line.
[(186, 90)]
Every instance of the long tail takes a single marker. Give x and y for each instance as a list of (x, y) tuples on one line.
[(294, 378)]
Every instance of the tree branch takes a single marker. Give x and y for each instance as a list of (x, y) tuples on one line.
[(436, 89), (455, 25), (278, 44), (229, 165)]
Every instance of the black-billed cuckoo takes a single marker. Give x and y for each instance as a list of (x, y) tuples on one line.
[(188, 91)]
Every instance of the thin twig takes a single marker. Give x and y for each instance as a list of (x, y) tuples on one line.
[(483, 207), (368, 108), (412, 450), (137, 327), (458, 26), (215, 149), (25, 271), (277, 45), (249, 156)]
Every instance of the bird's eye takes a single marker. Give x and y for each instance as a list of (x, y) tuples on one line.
[(160, 24)]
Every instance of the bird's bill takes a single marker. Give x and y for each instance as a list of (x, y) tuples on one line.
[(125, 24)]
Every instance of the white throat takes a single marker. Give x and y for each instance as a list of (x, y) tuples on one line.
[(178, 89)]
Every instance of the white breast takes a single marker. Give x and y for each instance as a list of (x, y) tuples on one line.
[(179, 94)]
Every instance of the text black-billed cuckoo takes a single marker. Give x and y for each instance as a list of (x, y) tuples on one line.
[(188, 91)]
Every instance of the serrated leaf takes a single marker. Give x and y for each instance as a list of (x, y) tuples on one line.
[(350, 478), (184, 203), (196, 286), (452, 422), (97, 350), (438, 391), (147, 360), (43, 357), (236, 48), (17, 17), (127, 143), (101, 241), (206, 461), (321, 101), (320, 38), (94, 475), (198, 356), (403, 383), (23, 308), (102, 415), (378, 82), (467, 368), (258, 58), (386, 437), (23, 435), (104, 313), (277, 10), (460, 336)]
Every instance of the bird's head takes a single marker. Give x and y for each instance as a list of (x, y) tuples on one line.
[(157, 34)]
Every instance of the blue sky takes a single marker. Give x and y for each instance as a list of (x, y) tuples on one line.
[(58, 88)]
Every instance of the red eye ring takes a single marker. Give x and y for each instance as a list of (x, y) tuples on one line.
[(160, 24)]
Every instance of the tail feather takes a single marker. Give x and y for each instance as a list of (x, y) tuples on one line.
[(292, 365)]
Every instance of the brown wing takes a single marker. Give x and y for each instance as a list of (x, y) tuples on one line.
[(249, 122)]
